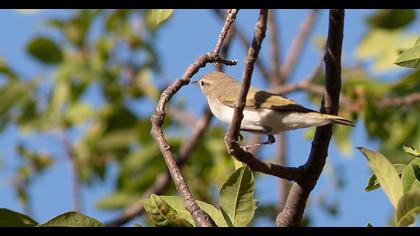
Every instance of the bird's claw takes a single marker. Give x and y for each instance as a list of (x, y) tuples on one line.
[(270, 140)]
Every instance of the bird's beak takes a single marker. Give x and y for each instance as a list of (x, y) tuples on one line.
[(195, 83)]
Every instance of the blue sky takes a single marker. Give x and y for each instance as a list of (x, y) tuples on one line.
[(187, 35)]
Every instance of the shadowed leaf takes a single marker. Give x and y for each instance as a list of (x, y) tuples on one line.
[(408, 207), (44, 50), (10, 218), (162, 214)]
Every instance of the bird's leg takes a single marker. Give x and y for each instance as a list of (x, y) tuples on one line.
[(270, 140), (241, 138)]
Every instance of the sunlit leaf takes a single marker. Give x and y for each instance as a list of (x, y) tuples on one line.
[(373, 182), (160, 15), (386, 174), (411, 150), (372, 46), (72, 219), (237, 198), (415, 186), (409, 58), (408, 207), (178, 204), (162, 214), (44, 50), (144, 82), (79, 112), (9, 218), (410, 174), (116, 201)]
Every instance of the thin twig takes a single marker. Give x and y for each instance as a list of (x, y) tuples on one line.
[(302, 85), (282, 184), (274, 49), (399, 101), (75, 163), (293, 211), (297, 45), (200, 217), (244, 41)]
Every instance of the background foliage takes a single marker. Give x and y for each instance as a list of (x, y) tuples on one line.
[(104, 77)]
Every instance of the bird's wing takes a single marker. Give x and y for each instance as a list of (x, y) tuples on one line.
[(265, 100)]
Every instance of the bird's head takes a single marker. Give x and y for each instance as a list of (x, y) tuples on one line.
[(213, 81)]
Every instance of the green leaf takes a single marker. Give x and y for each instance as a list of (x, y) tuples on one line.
[(117, 139), (116, 201), (371, 46), (410, 57), (5, 69), (116, 19), (178, 204), (386, 174), (162, 214), (410, 174), (408, 207), (417, 41), (72, 219), (410, 150), (391, 18), (9, 218), (79, 112), (373, 181), (160, 15), (237, 197), (415, 186), (44, 50)]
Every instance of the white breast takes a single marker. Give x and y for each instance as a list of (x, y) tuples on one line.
[(252, 118)]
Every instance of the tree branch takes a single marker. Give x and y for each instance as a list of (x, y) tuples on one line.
[(163, 180), (200, 217), (231, 136), (297, 45), (253, 52), (296, 201)]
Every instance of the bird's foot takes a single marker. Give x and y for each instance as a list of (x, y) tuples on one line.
[(270, 140)]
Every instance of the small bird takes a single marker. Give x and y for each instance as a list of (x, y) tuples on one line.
[(265, 113)]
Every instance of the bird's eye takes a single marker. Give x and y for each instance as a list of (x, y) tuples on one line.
[(202, 83)]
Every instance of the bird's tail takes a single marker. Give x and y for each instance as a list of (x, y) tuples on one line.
[(338, 120)]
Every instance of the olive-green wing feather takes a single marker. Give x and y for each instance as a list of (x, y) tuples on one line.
[(262, 99)]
